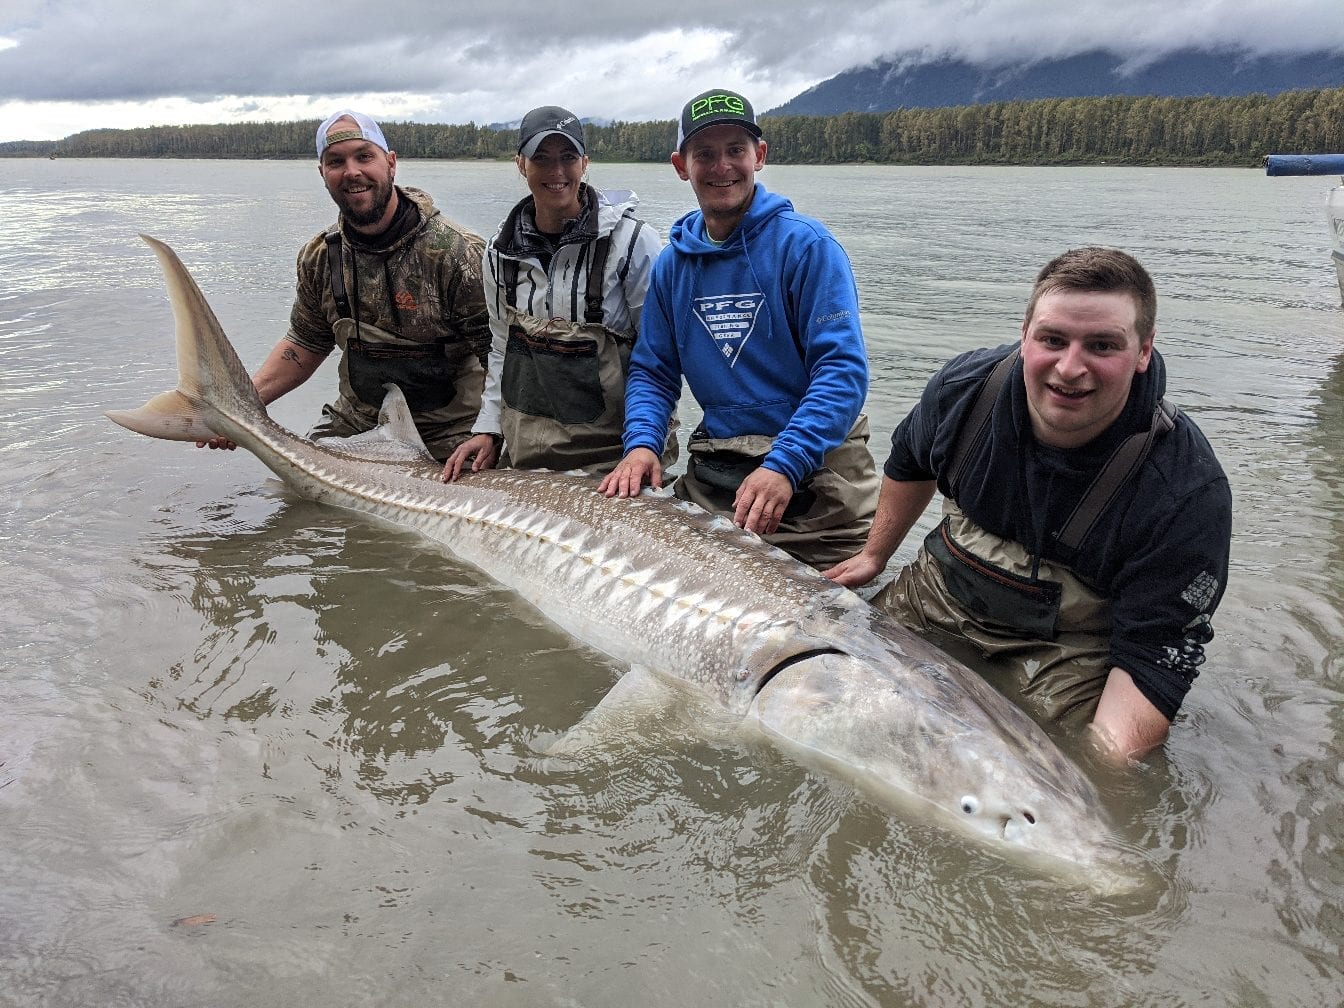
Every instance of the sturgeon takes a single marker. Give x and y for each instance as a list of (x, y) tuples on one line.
[(663, 586)]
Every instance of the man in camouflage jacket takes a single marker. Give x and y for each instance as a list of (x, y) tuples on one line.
[(397, 287)]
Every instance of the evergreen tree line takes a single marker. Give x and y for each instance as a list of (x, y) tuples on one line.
[(1122, 130)]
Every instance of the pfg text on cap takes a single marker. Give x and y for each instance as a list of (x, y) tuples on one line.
[(712, 108)]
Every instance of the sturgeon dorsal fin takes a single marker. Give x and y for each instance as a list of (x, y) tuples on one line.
[(395, 439)]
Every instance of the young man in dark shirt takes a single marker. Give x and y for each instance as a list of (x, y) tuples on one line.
[(1087, 525)]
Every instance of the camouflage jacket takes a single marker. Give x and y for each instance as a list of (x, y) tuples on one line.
[(421, 293)]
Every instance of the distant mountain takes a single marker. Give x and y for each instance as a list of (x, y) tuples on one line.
[(1183, 74)]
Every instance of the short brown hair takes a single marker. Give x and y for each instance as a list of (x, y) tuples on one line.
[(1100, 269)]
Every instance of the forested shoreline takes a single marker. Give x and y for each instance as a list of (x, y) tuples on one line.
[(1053, 131)]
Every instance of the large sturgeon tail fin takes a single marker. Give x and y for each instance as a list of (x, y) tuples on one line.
[(208, 369)]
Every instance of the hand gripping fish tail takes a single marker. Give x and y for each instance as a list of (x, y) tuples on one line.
[(662, 586)]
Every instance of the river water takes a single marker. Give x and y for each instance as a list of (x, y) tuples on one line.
[(255, 751)]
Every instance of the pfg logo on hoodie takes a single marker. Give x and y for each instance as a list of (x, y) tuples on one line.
[(729, 320)]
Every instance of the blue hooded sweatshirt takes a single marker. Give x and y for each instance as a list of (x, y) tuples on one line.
[(765, 329)]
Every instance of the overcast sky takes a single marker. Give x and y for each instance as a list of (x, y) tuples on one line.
[(71, 65)]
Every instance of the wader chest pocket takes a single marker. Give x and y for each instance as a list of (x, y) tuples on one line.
[(559, 379), (993, 594), (721, 472), (426, 377)]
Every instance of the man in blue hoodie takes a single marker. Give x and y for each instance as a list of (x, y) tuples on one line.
[(1087, 523), (755, 306)]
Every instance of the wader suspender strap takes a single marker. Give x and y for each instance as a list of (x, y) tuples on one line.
[(335, 274), (1123, 464), (978, 419), (592, 296), (596, 268), (510, 280)]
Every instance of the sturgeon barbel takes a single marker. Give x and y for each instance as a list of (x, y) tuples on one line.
[(663, 586)]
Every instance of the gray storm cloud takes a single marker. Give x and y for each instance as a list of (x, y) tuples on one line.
[(103, 50)]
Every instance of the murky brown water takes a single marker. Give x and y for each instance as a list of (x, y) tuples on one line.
[(220, 700)]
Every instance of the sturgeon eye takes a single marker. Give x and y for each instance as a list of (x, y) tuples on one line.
[(969, 805)]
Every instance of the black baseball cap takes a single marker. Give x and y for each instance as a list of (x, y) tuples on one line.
[(714, 107), (547, 121)]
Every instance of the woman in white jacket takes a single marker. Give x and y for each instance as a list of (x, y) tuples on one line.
[(565, 278)]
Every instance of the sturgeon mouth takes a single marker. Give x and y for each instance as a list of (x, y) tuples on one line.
[(1014, 829)]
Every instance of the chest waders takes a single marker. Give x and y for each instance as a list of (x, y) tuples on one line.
[(827, 519), (830, 514), (374, 357), (1036, 614), (563, 382)]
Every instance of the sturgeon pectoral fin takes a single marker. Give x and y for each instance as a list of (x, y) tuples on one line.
[(637, 696)]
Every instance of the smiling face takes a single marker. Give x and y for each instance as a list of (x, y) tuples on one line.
[(554, 174), (359, 176), (1080, 353), (720, 163)]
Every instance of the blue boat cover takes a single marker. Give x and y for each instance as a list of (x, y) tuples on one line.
[(1304, 164)]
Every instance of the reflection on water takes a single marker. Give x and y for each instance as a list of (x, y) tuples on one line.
[(341, 742), (386, 664), (1309, 870)]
